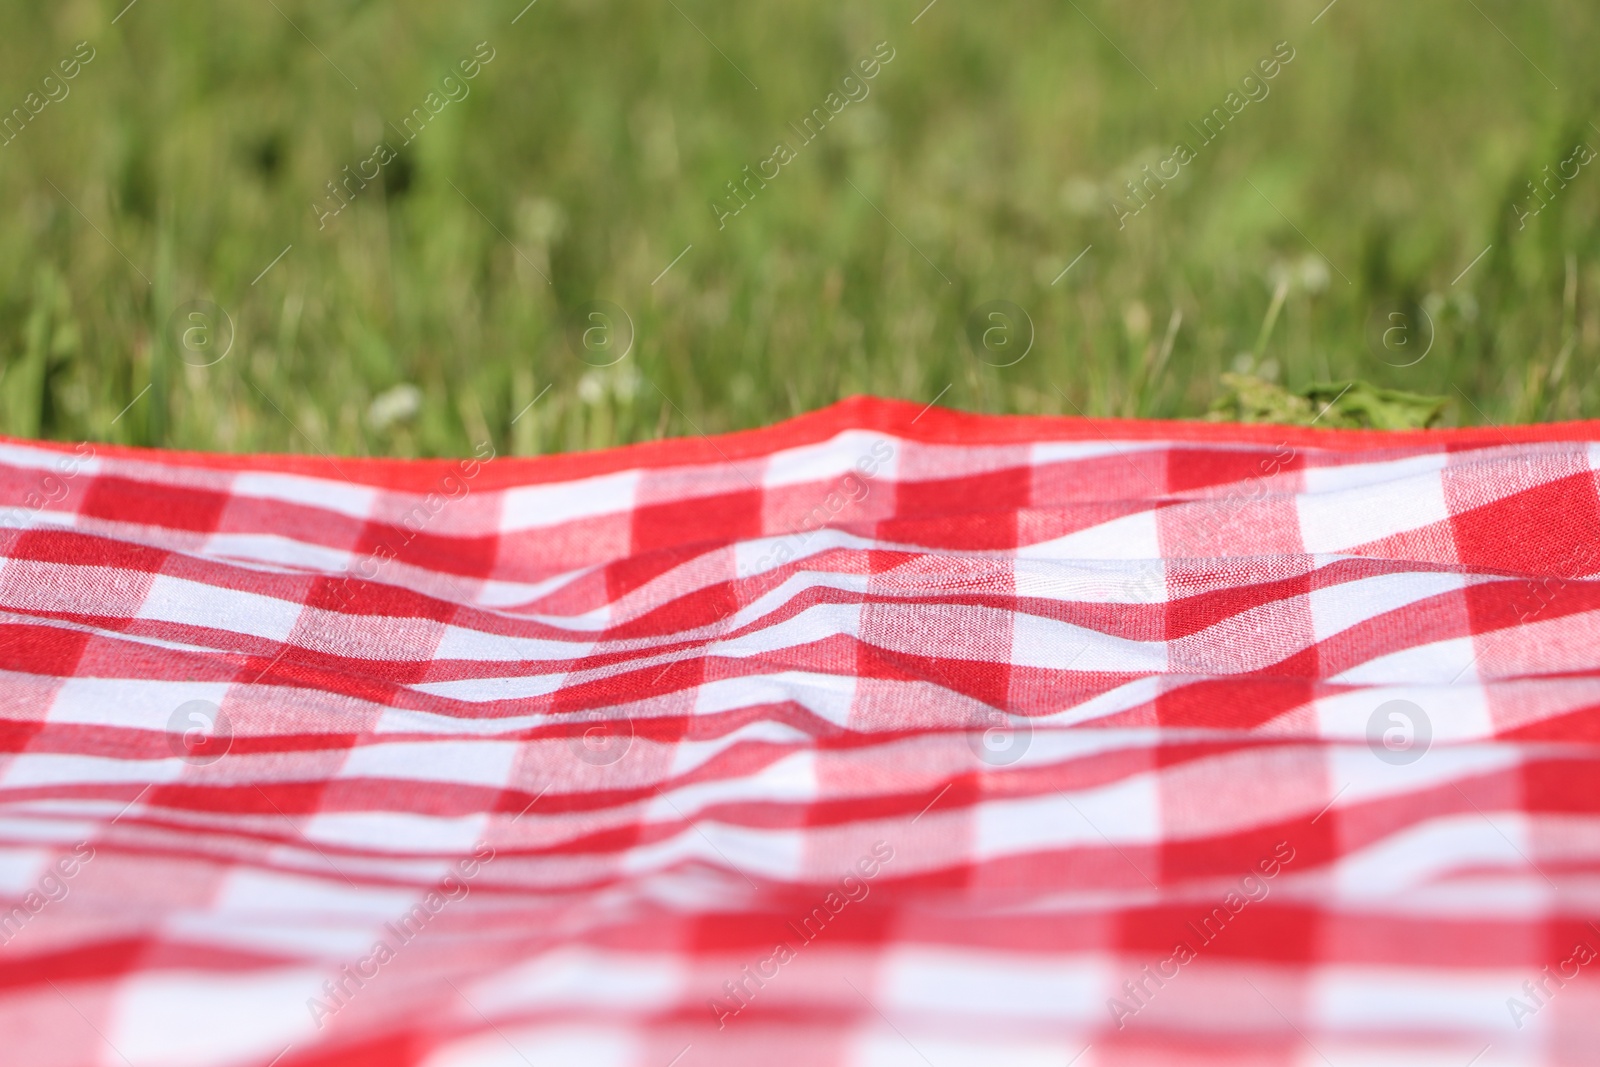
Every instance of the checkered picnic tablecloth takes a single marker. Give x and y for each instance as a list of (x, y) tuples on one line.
[(883, 736)]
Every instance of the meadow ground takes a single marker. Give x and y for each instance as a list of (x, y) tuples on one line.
[(390, 228)]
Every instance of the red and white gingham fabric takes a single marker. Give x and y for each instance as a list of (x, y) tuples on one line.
[(872, 738)]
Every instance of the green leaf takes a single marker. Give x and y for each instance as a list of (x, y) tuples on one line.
[(1348, 405)]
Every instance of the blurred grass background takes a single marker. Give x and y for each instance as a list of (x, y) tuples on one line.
[(1393, 150)]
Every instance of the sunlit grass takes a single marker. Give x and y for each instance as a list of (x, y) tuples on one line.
[(1391, 151)]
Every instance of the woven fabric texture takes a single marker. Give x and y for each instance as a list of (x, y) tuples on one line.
[(885, 737)]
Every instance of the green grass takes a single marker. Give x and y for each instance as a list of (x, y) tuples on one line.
[(1390, 152)]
